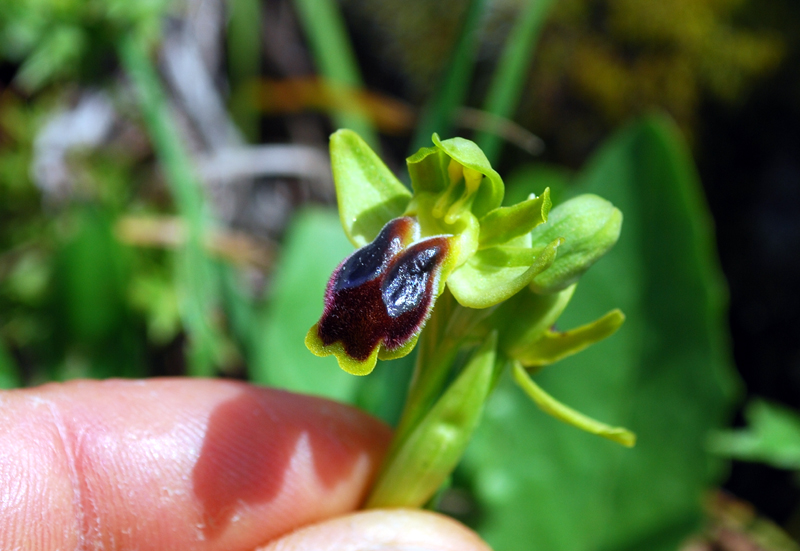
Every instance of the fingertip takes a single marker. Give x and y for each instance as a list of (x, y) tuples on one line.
[(385, 529)]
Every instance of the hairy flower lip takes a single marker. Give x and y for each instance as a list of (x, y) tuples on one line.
[(379, 298)]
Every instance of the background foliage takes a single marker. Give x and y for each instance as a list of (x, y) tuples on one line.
[(150, 228)]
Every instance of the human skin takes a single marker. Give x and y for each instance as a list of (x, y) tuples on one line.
[(197, 465)]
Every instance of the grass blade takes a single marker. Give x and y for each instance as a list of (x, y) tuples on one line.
[(506, 86), (449, 96), (333, 54), (195, 272)]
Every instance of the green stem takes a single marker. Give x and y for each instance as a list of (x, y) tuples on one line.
[(435, 357)]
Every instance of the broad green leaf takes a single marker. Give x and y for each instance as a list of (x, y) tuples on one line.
[(466, 153), (772, 436), (553, 346), (505, 223), (589, 226), (666, 375), (314, 246), (431, 451), (90, 282), (494, 275), (369, 195)]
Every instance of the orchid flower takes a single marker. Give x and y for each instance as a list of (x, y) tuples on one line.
[(506, 273)]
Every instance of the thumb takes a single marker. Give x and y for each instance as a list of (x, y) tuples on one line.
[(384, 529)]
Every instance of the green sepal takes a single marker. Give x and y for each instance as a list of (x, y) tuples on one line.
[(527, 315), (493, 275), (468, 154), (506, 223), (564, 413), (590, 226), (369, 195), (432, 450), (553, 346), (346, 362)]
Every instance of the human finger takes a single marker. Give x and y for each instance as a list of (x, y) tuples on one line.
[(176, 464), (384, 529)]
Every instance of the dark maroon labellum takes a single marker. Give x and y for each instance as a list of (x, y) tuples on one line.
[(369, 261), (382, 294), (406, 282)]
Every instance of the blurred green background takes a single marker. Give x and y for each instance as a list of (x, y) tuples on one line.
[(166, 208)]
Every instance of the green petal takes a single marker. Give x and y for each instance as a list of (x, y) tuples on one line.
[(369, 195), (494, 275), (553, 346), (468, 154), (434, 447), (590, 226), (428, 170), (505, 223), (564, 413)]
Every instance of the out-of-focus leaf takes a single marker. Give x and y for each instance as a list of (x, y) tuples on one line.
[(772, 436), (438, 114), (244, 61), (90, 281), (535, 178), (9, 375), (196, 275), (508, 80), (334, 57), (665, 375), (315, 245)]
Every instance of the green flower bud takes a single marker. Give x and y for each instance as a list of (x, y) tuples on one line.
[(589, 226)]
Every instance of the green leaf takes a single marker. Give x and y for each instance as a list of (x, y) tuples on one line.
[(493, 275), (314, 246), (772, 436), (666, 375), (466, 153), (553, 346), (589, 226), (429, 454), (505, 223), (369, 195)]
